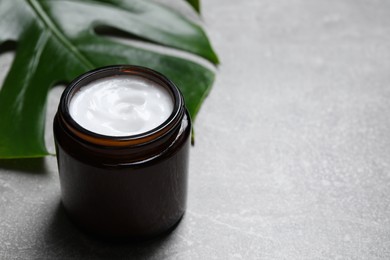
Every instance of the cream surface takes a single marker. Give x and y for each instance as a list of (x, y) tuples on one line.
[(121, 105)]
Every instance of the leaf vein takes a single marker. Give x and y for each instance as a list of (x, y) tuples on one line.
[(32, 66), (56, 32)]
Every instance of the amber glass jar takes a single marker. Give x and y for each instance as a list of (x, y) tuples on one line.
[(128, 186)]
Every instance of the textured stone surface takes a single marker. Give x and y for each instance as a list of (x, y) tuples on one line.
[(292, 150)]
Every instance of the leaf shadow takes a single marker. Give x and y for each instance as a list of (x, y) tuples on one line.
[(25, 165), (65, 237)]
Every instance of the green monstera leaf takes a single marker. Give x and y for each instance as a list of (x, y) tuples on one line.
[(56, 41)]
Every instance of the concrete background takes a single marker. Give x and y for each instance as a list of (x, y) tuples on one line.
[(292, 147)]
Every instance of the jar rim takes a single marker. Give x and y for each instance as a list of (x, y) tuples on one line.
[(117, 70)]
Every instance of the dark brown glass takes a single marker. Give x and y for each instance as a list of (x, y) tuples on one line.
[(131, 186)]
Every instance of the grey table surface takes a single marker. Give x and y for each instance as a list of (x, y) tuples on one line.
[(292, 147)]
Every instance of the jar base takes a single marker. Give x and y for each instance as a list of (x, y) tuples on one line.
[(119, 238)]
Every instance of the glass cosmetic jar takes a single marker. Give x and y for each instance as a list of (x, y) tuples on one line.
[(131, 186)]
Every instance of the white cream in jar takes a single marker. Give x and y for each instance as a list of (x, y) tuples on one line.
[(122, 105)]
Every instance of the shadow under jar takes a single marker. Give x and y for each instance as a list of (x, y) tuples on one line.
[(131, 186)]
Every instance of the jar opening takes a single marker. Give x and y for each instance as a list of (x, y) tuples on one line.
[(162, 87)]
